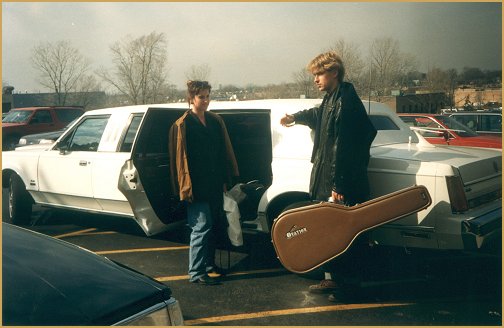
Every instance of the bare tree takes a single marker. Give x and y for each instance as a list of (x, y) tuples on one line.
[(437, 80), (140, 68), (472, 74), (304, 81), (351, 56), (199, 72), (389, 66), (453, 78), (86, 86), (61, 67)]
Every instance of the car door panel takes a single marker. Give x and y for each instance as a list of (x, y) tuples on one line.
[(65, 179), (65, 171), (106, 168)]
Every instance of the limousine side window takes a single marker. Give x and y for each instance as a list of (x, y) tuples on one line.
[(129, 137), (86, 136)]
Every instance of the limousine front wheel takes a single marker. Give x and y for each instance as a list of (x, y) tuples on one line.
[(20, 203)]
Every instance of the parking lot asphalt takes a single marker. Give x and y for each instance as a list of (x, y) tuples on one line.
[(399, 289)]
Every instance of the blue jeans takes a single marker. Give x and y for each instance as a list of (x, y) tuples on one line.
[(201, 244)]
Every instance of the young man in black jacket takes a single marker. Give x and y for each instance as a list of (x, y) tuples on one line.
[(343, 137)]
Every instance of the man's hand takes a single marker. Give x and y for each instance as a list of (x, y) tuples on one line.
[(287, 120), (337, 197)]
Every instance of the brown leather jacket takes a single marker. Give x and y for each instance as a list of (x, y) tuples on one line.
[(179, 167)]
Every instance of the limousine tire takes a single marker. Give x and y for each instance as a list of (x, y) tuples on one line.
[(20, 202), (284, 202)]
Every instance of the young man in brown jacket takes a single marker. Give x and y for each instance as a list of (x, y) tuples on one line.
[(202, 162)]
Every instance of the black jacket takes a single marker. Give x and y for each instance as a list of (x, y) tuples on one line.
[(355, 133)]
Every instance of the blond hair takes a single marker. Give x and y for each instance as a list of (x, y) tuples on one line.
[(328, 61)]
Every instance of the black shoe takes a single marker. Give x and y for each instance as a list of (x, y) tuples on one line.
[(206, 280)]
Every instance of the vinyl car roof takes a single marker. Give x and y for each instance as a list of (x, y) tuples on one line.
[(51, 282)]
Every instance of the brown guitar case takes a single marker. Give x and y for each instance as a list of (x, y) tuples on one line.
[(307, 237)]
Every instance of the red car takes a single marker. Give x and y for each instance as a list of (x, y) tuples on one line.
[(444, 130), (22, 121)]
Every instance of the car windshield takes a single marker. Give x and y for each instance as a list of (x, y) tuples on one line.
[(461, 129), (17, 116)]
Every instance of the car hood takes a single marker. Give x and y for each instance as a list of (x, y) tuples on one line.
[(51, 282)]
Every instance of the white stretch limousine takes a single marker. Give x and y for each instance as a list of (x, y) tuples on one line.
[(115, 161)]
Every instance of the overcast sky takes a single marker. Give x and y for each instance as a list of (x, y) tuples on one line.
[(248, 42)]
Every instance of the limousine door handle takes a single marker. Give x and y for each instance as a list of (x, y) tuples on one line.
[(83, 163)]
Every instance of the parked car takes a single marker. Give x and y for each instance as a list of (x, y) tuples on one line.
[(115, 161), (484, 123), (444, 130), (44, 137), (49, 282), (22, 121)]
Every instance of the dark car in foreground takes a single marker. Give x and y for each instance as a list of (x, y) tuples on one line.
[(49, 282)]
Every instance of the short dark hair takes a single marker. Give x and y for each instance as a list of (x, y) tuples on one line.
[(195, 87)]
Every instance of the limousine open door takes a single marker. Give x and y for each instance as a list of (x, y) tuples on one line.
[(145, 177)]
